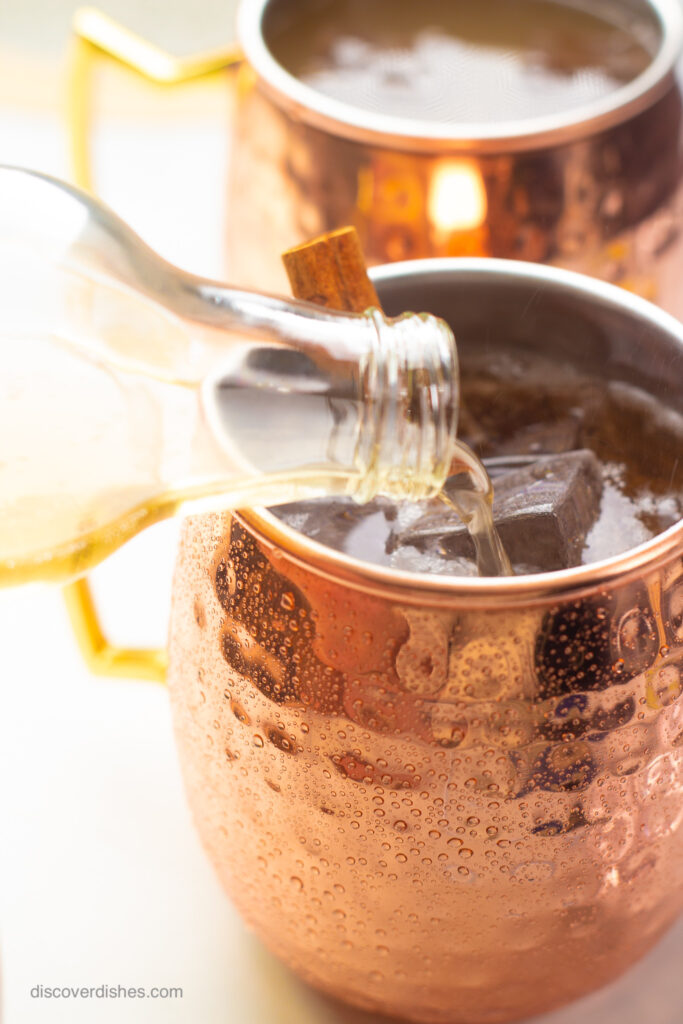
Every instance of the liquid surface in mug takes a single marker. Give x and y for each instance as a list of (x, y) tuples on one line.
[(463, 61), (582, 470)]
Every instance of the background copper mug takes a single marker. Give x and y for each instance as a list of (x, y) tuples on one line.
[(452, 800), (596, 190)]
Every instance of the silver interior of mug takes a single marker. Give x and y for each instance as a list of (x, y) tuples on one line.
[(601, 330), (662, 20), (598, 329)]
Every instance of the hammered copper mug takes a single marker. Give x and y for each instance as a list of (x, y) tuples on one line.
[(454, 800), (595, 189)]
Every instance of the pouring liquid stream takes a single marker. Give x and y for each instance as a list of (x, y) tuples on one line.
[(474, 507)]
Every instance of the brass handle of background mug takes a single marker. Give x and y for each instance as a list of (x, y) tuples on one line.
[(97, 36)]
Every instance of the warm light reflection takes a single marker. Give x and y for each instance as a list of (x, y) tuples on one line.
[(457, 196)]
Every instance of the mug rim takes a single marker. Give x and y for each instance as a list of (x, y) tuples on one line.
[(506, 591), (338, 118)]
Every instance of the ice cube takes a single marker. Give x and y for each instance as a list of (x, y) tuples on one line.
[(561, 435), (432, 562), (343, 524), (543, 513)]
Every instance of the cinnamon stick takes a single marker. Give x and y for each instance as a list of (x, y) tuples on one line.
[(330, 271)]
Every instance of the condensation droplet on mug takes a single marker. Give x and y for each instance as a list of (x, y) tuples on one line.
[(239, 713), (535, 871), (199, 613), (280, 741)]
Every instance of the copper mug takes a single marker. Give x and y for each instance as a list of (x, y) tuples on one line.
[(455, 800), (597, 189)]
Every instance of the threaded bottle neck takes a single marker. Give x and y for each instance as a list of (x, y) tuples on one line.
[(410, 408)]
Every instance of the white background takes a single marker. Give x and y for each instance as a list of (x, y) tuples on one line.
[(102, 879)]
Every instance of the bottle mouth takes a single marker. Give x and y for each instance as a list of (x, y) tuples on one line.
[(406, 436), (662, 18)]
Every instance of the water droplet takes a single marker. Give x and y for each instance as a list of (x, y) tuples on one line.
[(288, 601), (199, 613), (400, 825), (239, 713), (296, 882), (535, 871), (258, 740), (280, 741)]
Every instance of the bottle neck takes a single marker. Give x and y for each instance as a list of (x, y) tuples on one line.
[(370, 397), (410, 408)]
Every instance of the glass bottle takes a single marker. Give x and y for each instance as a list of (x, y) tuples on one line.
[(130, 390)]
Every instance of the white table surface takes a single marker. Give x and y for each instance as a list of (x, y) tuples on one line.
[(102, 879)]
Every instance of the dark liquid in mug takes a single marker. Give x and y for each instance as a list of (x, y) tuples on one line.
[(529, 409), (460, 61)]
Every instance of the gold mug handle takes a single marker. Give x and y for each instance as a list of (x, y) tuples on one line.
[(97, 36)]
